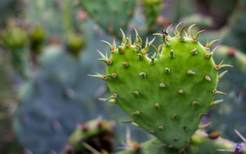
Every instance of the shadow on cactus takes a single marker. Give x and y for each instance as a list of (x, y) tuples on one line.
[(95, 136), (168, 92)]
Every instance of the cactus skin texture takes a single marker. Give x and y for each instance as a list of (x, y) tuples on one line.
[(200, 144), (166, 94), (110, 15), (91, 137), (152, 9)]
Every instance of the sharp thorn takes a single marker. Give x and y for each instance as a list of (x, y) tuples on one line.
[(219, 92), (240, 135), (222, 74)]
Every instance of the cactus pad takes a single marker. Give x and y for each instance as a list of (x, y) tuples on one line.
[(167, 93)]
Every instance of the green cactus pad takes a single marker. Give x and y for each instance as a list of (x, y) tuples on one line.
[(111, 15), (166, 94)]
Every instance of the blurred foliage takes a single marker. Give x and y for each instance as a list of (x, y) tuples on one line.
[(219, 13), (9, 8), (8, 141)]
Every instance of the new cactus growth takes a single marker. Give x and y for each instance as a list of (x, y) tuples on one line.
[(168, 93), (15, 39), (95, 136), (74, 44), (37, 37)]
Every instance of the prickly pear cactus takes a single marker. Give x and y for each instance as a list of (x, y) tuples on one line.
[(95, 135), (178, 84), (110, 15)]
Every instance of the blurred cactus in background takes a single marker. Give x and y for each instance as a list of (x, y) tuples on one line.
[(152, 10), (236, 34), (15, 39), (9, 8), (110, 14), (215, 9), (47, 57), (234, 83)]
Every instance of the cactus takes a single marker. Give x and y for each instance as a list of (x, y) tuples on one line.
[(62, 83), (200, 144), (110, 15), (152, 10), (177, 84), (95, 135)]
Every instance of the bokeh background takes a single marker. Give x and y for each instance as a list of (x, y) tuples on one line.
[(49, 47)]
